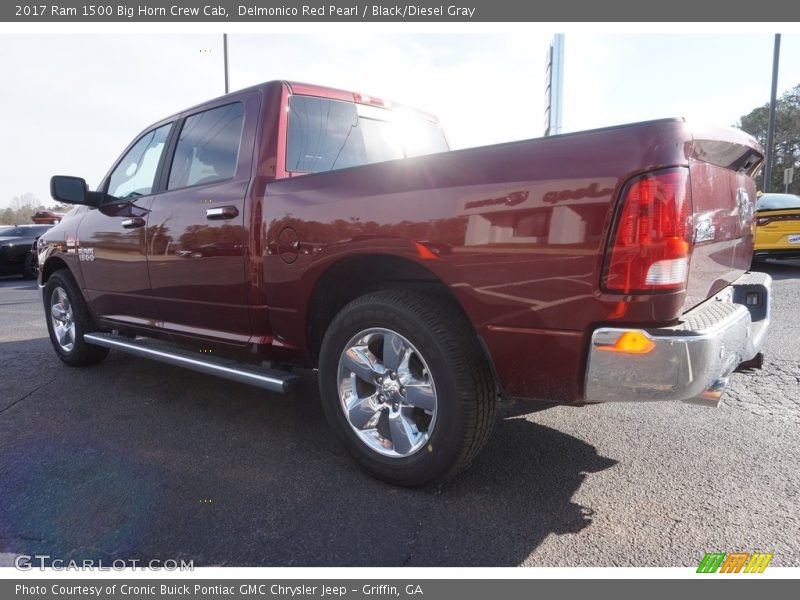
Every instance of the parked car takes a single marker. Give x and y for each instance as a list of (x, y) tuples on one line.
[(777, 227), (49, 217), (423, 284), (15, 250)]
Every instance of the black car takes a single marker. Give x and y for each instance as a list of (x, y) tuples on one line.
[(15, 249)]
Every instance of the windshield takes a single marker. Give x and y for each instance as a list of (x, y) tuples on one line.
[(22, 231), (329, 134), (778, 202)]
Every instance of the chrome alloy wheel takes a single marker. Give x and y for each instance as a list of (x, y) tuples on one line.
[(387, 392), (63, 319)]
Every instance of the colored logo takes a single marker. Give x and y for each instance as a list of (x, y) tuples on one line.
[(734, 562)]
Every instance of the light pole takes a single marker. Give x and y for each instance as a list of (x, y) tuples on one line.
[(771, 129), (554, 85), (225, 58)]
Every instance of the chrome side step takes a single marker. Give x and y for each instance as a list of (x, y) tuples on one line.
[(274, 381)]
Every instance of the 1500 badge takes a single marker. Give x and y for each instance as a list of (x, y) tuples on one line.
[(86, 254)]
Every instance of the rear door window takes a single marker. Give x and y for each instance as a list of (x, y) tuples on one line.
[(208, 147)]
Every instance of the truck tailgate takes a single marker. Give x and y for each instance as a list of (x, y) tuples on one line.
[(722, 164)]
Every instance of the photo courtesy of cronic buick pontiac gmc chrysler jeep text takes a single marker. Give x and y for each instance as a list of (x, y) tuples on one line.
[(291, 225)]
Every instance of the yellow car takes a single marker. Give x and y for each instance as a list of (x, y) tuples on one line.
[(777, 227)]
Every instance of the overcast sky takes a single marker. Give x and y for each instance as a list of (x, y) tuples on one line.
[(71, 103)]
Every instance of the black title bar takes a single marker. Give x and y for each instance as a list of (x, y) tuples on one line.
[(418, 11), (732, 586)]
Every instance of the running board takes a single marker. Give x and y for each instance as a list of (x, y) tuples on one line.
[(274, 381)]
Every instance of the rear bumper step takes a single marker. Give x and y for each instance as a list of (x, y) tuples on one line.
[(690, 361), (274, 381)]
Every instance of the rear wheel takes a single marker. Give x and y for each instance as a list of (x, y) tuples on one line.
[(68, 320), (406, 387)]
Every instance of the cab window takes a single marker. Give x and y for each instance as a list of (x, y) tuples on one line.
[(208, 147), (326, 134), (135, 174)]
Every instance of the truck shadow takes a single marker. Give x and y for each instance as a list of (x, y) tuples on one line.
[(133, 460), (786, 269)]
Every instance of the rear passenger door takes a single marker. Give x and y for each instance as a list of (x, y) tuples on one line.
[(197, 239)]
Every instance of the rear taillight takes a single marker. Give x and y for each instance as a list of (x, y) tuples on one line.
[(773, 218), (652, 237)]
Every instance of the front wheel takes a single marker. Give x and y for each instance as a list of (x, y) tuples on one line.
[(67, 320), (406, 387), (30, 268)]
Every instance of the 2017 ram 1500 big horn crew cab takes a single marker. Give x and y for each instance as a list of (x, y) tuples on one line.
[(295, 225)]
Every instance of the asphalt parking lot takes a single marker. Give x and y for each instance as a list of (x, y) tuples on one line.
[(136, 460)]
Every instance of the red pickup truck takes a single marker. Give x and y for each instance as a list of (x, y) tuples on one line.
[(290, 225)]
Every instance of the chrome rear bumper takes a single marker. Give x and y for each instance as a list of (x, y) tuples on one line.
[(690, 361)]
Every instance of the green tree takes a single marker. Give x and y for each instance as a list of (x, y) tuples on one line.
[(7, 217), (786, 151), (22, 207), (20, 210)]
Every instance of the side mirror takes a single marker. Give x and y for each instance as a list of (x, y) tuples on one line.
[(72, 190)]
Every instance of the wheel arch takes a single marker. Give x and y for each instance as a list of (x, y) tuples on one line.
[(351, 277), (56, 262), (51, 265)]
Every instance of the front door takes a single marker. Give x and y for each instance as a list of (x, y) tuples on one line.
[(111, 242), (197, 239)]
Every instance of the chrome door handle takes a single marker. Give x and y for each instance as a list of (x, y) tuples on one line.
[(221, 212), (132, 223)]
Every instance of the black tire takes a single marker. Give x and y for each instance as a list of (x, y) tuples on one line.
[(80, 354), (29, 269), (464, 384)]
